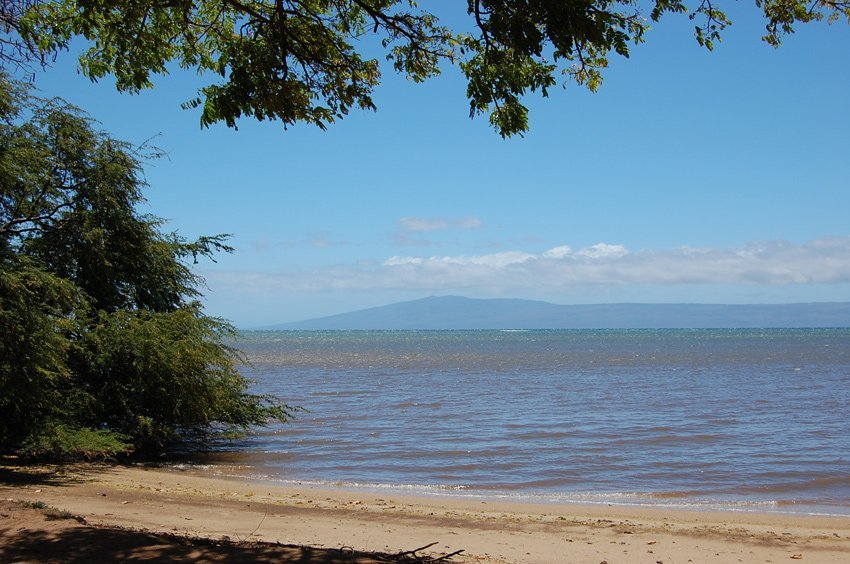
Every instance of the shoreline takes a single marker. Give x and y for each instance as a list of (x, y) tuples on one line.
[(194, 503), (658, 500), (784, 508)]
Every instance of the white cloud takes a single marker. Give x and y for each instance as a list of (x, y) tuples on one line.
[(603, 250), (558, 252), (437, 224), (400, 261), (766, 263), (495, 260)]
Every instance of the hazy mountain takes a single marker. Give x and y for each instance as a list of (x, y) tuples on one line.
[(453, 312)]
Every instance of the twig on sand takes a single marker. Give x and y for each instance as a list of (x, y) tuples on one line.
[(415, 550), (411, 556), (447, 556), (260, 524)]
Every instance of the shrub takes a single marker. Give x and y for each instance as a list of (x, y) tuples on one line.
[(60, 443)]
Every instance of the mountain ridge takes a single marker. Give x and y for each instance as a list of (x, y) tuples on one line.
[(457, 312)]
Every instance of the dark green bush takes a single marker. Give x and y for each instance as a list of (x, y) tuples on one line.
[(61, 443), (104, 347)]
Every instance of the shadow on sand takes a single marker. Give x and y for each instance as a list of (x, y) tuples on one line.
[(34, 532), (30, 533), (90, 544)]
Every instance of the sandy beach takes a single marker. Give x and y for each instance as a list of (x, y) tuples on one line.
[(148, 513)]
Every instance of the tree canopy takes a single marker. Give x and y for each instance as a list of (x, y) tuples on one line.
[(312, 60), (103, 345)]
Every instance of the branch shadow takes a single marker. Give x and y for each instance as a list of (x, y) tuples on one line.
[(90, 544), (15, 472)]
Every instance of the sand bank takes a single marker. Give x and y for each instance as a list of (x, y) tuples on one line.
[(188, 503)]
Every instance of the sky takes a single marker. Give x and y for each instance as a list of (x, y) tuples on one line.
[(690, 176)]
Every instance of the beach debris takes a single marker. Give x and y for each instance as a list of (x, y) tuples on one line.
[(411, 556), (796, 557)]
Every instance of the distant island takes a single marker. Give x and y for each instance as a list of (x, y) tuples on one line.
[(455, 312)]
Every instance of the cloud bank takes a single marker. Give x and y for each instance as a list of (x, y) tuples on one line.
[(768, 263)]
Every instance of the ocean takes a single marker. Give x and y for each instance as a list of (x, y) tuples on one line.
[(720, 419)]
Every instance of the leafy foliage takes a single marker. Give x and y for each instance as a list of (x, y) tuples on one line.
[(165, 375), (287, 60), (100, 332), (16, 50), (60, 443), (36, 317), (303, 60)]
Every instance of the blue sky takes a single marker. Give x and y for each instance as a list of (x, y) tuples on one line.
[(689, 177)]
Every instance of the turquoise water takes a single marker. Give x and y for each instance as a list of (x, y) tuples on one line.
[(715, 418)]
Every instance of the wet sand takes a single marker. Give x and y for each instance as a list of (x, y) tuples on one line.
[(139, 513)]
